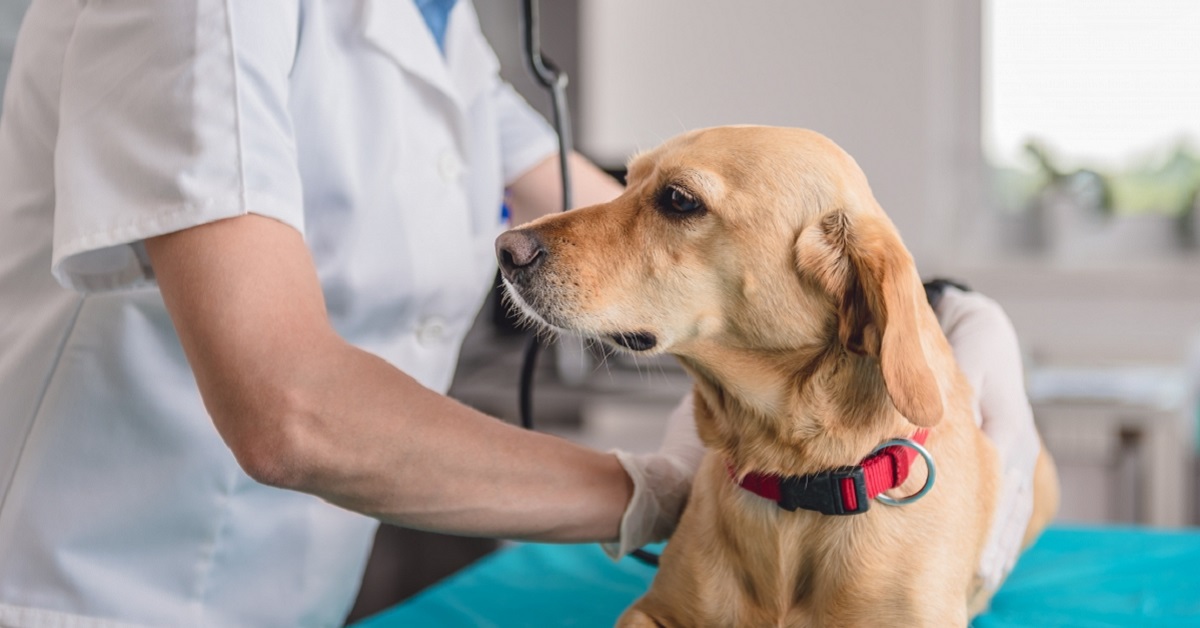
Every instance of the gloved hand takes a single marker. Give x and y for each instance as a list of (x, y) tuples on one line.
[(986, 349), (661, 482)]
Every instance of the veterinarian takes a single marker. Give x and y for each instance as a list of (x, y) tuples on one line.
[(240, 246)]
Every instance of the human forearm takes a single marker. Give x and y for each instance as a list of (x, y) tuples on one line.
[(539, 191), (375, 441)]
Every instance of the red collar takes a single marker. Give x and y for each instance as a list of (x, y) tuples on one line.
[(841, 491)]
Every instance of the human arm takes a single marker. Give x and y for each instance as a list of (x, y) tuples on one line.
[(986, 349), (302, 409), (532, 165), (538, 192)]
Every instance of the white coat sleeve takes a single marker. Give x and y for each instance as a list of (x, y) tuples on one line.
[(172, 115), (526, 139)]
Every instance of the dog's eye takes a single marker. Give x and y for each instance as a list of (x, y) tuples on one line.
[(677, 201)]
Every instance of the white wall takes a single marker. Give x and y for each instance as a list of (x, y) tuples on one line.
[(884, 79)]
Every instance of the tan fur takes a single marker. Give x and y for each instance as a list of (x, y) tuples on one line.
[(799, 313)]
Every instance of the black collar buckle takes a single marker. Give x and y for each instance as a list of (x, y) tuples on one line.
[(822, 492)]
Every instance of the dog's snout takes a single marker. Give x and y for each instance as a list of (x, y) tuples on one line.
[(519, 252)]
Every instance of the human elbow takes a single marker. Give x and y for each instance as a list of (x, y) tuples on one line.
[(272, 440)]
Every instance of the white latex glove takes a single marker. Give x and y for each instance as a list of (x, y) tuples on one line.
[(985, 346), (661, 483)]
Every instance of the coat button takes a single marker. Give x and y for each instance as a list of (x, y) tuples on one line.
[(431, 330), (449, 167)]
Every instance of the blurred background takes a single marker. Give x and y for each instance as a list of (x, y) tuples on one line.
[(1045, 152)]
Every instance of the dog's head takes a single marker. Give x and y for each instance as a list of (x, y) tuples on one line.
[(736, 249)]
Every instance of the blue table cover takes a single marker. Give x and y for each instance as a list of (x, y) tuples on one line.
[(1072, 577)]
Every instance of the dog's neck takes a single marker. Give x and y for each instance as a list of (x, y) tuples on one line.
[(792, 413)]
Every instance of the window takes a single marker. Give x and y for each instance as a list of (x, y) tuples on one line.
[(1091, 124)]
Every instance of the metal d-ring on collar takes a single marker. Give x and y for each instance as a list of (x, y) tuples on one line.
[(904, 442)]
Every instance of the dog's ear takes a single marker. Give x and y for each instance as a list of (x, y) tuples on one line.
[(860, 261)]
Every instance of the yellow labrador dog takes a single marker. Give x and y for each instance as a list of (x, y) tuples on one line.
[(761, 260)]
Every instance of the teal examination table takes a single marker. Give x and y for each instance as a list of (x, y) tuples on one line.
[(1098, 576)]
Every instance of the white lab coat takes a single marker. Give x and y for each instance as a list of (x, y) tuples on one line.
[(119, 503)]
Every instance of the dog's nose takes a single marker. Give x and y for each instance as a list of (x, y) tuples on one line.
[(519, 252)]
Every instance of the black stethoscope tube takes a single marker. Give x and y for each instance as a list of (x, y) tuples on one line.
[(554, 80)]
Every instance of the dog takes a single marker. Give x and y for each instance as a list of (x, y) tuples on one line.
[(761, 260)]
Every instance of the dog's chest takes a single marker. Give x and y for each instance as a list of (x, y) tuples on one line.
[(807, 569)]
